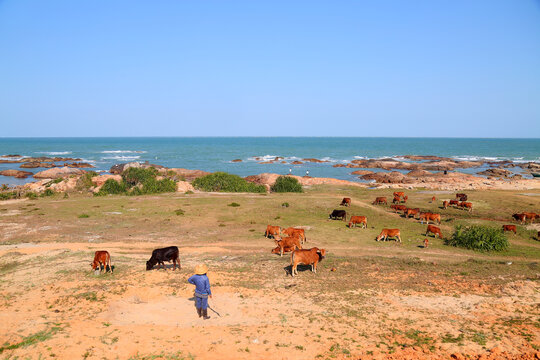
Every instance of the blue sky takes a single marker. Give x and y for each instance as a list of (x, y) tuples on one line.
[(254, 68)]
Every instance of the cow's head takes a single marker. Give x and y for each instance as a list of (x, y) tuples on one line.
[(275, 250), (94, 264), (149, 265), (322, 253)]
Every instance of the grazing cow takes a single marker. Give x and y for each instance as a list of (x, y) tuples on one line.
[(405, 198), (271, 231), (461, 197), (434, 230), (454, 202), (389, 233), (466, 205), (397, 208), (170, 253), (287, 242), (531, 216), (306, 257), (426, 243), (412, 212), (433, 199), (520, 217), (294, 232), (358, 220), (396, 200), (346, 202), (427, 217), (380, 200), (509, 228), (399, 194), (445, 204), (102, 258), (338, 214), (277, 249)]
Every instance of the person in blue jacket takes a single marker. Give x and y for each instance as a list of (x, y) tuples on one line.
[(202, 290)]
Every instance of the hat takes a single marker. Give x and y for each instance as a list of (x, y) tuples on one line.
[(201, 269)]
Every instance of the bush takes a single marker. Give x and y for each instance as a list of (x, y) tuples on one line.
[(112, 186), (83, 216), (285, 204), (137, 181), (478, 237), (31, 195), (47, 192), (221, 181), (179, 212), (287, 184), (85, 181), (234, 204), (134, 176), (8, 195)]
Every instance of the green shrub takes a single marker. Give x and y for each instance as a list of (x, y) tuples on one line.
[(47, 192), (8, 195), (478, 237), (153, 186), (135, 176), (112, 186), (31, 195), (83, 216), (285, 204), (221, 181), (189, 192), (234, 204), (287, 184), (179, 212), (85, 181)]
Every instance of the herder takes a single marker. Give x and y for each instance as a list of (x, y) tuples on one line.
[(202, 290)]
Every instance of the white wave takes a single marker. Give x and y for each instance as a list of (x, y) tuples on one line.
[(123, 152), (120, 157), (263, 158), (54, 152)]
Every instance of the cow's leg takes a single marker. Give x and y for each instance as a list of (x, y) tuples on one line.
[(399, 238)]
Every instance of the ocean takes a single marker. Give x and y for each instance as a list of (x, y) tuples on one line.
[(216, 153)]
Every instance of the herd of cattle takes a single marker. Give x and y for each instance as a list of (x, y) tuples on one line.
[(294, 238)]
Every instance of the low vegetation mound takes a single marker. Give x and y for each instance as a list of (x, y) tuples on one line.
[(478, 237), (287, 184), (225, 182), (138, 181)]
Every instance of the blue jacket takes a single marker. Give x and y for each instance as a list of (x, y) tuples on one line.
[(202, 284)]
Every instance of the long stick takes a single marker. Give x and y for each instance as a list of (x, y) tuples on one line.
[(214, 310)]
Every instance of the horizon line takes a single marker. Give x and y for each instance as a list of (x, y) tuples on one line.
[(248, 136)]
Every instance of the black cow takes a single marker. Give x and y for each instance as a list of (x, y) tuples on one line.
[(166, 254), (338, 214)]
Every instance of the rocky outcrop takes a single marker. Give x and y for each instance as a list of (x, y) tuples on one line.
[(419, 173), (187, 174), (268, 179), (183, 186), (19, 174), (65, 185), (496, 172), (101, 179), (236, 160), (56, 173), (37, 164), (79, 165), (118, 169), (296, 162), (362, 172), (393, 177), (315, 160)]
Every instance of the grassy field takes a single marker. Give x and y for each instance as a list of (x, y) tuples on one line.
[(386, 299)]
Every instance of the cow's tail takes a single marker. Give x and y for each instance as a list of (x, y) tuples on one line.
[(110, 266)]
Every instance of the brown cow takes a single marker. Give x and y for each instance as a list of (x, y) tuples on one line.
[(346, 202), (466, 205), (102, 258), (434, 230), (520, 217), (386, 233), (531, 216), (405, 198), (445, 204), (454, 202), (286, 242), (509, 228), (412, 212), (433, 199), (277, 249), (380, 200), (399, 194), (397, 208), (358, 220), (306, 257), (294, 232), (427, 216), (461, 197), (271, 230), (396, 200), (426, 243)]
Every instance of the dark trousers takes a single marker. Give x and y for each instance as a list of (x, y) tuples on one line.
[(201, 303)]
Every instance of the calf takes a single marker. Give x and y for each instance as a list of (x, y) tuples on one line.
[(396, 200), (102, 258), (461, 197), (454, 202), (287, 242), (398, 194), (426, 243), (170, 253), (466, 205), (509, 228), (271, 231), (433, 199), (346, 202), (427, 217), (531, 216), (412, 212), (445, 204), (387, 233), (380, 200), (277, 249), (434, 230), (397, 208), (306, 257), (294, 232), (405, 198), (338, 214), (358, 220)]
